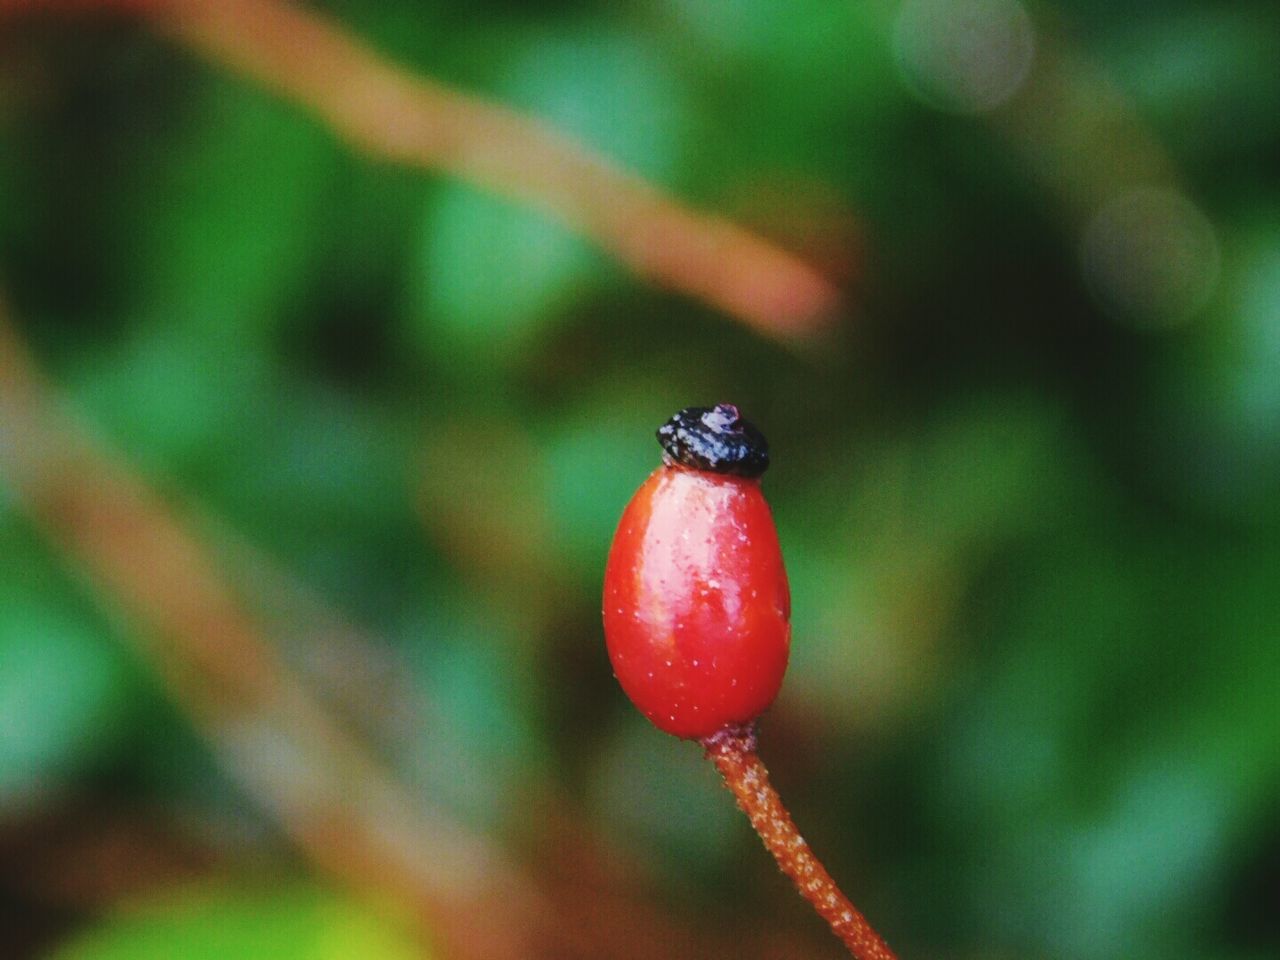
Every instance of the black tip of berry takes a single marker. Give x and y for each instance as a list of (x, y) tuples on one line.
[(715, 439)]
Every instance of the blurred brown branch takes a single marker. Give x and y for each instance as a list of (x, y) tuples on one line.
[(393, 114), (341, 808)]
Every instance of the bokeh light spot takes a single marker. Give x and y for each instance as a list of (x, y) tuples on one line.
[(965, 56), (1151, 257)]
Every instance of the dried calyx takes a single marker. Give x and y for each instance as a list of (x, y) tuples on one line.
[(715, 439)]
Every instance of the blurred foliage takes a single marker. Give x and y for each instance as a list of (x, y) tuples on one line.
[(65, 688), (293, 924), (1028, 498)]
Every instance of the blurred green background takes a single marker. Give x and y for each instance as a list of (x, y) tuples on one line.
[(1027, 481)]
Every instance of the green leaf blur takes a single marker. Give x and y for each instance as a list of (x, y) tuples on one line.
[(292, 924)]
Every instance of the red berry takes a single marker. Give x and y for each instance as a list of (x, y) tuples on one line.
[(696, 603)]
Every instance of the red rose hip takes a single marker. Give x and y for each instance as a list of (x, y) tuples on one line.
[(696, 603)]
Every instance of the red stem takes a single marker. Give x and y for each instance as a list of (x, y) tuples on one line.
[(733, 751)]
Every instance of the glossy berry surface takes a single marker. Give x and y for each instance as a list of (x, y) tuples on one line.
[(696, 602)]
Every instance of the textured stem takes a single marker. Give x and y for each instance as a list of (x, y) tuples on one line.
[(733, 751)]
